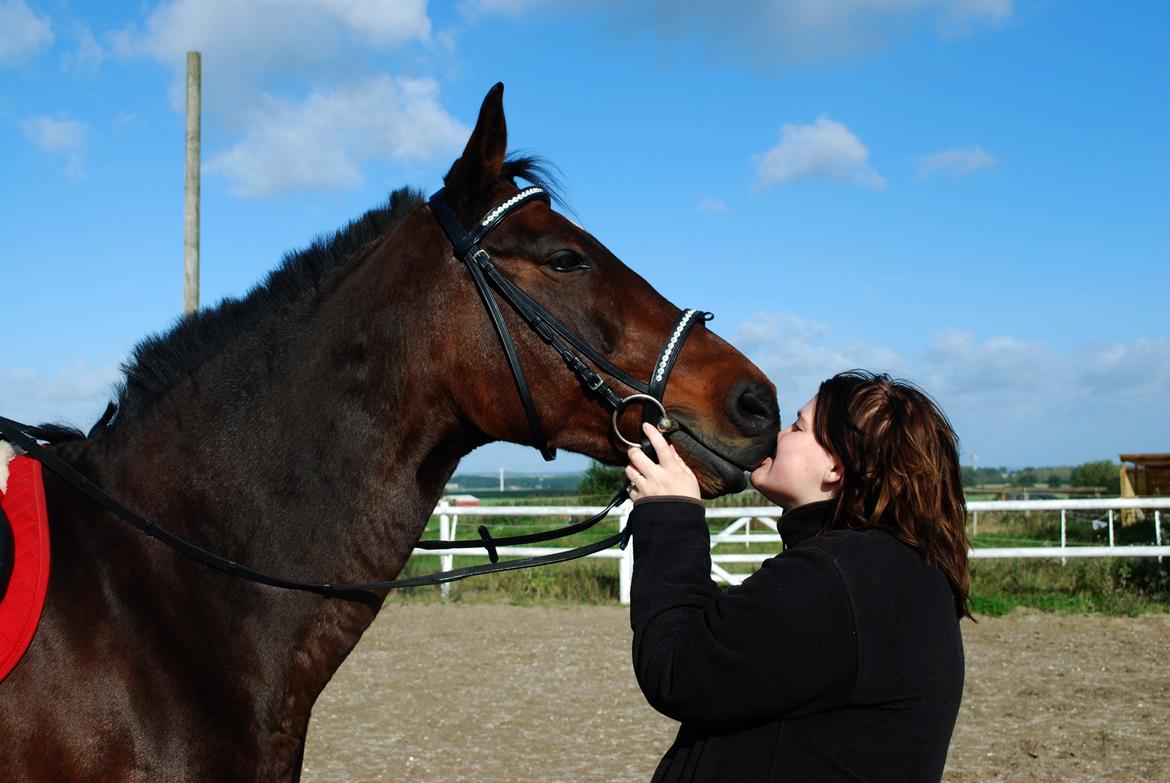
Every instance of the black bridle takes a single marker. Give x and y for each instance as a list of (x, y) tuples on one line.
[(483, 272), (486, 276)]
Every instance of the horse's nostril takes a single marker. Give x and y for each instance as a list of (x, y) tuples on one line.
[(755, 407)]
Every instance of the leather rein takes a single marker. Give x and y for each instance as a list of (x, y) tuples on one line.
[(486, 278)]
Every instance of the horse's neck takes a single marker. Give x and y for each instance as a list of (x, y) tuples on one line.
[(320, 452), (316, 459)]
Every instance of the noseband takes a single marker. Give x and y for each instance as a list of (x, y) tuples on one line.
[(486, 276)]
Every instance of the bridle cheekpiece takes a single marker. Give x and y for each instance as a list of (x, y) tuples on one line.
[(486, 277)]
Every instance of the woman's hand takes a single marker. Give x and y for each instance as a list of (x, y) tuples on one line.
[(670, 476)]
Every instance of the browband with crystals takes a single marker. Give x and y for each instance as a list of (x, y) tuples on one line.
[(550, 329), (491, 219)]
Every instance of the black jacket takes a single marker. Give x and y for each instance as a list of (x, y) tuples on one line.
[(839, 660)]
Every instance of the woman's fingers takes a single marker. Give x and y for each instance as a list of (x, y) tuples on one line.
[(633, 478), (661, 447), (662, 450), (669, 476), (640, 461), (682, 463)]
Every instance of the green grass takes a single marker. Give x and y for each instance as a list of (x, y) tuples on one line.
[(1114, 586), (586, 581)]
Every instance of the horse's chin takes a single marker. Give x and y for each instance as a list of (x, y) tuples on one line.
[(716, 475)]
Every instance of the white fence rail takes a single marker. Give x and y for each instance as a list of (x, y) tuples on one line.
[(759, 525)]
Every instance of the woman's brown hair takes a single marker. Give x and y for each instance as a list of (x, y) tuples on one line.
[(899, 460)]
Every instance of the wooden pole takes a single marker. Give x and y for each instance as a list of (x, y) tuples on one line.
[(191, 190)]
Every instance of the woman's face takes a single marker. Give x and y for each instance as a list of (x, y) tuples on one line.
[(801, 471)]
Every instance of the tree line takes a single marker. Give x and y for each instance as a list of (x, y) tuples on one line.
[(1098, 473)]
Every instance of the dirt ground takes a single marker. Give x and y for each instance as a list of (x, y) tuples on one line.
[(505, 693)]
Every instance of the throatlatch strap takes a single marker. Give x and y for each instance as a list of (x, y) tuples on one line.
[(467, 250), (517, 368)]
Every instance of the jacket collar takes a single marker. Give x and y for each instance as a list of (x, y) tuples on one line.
[(804, 522)]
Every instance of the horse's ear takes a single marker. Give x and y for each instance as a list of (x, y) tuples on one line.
[(483, 158)]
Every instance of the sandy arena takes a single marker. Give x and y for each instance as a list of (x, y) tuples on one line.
[(452, 692)]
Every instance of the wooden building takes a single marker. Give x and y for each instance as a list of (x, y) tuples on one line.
[(1145, 475)]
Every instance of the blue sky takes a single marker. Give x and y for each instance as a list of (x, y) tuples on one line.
[(973, 194)]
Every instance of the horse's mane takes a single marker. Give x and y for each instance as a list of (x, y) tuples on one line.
[(162, 360)]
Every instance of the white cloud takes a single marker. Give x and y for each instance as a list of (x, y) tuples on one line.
[(773, 32), (273, 34), (1014, 401), (249, 45), (797, 354), (1134, 370), (959, 17), (710, 205), (74, 395), (959, 365), (253, 55), (22, 31), (89, 54), (382, 22), (956, 365), (323, 141), (55, 135), (825, 148), (60, 137), (958, 161), (475, 8)]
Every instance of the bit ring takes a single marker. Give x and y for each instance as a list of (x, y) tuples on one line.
[(645, 398)]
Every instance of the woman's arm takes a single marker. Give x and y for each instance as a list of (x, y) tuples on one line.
[(781, 644)]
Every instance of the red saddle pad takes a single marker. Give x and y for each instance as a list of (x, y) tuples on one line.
[(20, 611)]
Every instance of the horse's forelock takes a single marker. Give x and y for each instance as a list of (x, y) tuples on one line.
[(538, 171)]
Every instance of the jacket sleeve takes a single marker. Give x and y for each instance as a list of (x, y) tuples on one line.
[(782, 644)]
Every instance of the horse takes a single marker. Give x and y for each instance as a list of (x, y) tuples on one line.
[(308, 429)]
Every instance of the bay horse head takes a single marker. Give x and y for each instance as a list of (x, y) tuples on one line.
[(725, 407)]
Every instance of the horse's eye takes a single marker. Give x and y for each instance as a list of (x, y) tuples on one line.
[(567, 261)]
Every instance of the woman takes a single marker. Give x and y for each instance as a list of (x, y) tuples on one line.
[(841, 658)]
